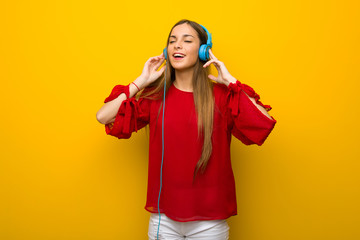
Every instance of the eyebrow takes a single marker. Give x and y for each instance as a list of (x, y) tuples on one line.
[(185, 35)]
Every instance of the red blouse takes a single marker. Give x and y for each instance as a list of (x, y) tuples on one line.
[(212, 195)]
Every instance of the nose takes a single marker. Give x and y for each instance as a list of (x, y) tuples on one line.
[(178, 44)]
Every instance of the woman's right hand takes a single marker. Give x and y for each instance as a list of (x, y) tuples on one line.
[(150, 73), (108, 111)]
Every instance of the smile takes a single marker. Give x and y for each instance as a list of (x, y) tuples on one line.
[(178, 56)]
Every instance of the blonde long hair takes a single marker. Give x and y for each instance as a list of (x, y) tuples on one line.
[(202, 92)]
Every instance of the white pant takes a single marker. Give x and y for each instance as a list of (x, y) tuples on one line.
[(200, 230)]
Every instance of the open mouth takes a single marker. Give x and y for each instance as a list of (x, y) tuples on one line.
[(178, 56)]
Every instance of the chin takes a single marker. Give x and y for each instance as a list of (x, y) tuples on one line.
[(182, 66)]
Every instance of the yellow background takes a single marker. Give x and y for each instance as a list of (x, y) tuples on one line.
[(62, 177)]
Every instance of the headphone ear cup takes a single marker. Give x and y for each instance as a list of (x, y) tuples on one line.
[(165, 53), (204, 52)]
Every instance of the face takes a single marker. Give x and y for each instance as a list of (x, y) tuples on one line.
[(185, 41)]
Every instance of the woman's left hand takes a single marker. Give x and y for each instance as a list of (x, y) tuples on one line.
[(224, 76)]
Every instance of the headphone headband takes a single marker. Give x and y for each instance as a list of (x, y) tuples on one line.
[(209, 40)]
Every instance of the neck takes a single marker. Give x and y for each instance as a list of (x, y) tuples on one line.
[(183, 80)]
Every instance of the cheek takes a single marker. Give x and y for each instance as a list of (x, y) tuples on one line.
[(195, 53)]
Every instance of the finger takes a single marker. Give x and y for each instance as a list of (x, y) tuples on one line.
[(216, 63), (162, 70), (156, 59), (208, 63), (212, 55), (205, 64), (159, 63), (212, 77), (161, 56)]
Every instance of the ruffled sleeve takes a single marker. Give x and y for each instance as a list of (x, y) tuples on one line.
[(132, 114), (247, 122)]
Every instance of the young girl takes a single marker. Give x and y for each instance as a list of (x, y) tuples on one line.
[(191, 186)]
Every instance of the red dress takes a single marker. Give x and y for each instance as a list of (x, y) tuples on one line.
[(212, 195)]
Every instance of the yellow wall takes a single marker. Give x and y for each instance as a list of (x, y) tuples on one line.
[(62, 177)]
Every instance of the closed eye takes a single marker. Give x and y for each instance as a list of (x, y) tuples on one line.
[(185, 41)]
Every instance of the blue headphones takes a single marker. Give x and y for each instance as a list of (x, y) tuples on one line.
[(204, 48)]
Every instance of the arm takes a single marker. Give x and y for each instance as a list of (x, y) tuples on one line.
[(250, 124), (261, 108), (108, 111), (246, 121)]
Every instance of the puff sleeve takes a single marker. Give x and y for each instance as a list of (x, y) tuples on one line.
[(247, 122), (132, 114)]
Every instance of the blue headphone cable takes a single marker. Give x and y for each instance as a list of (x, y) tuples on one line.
[(162, 156), (203, 55)]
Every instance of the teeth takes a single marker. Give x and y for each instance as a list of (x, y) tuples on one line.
[(178, 55)]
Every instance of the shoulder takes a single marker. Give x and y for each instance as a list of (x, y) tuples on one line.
[(220, 94), (220, 86), (220, 90), (150, 93)]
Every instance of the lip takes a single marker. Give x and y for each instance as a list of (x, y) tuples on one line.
[(179, 53), (178, 59)]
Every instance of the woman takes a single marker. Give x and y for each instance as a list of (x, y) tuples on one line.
[(191, 185)]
